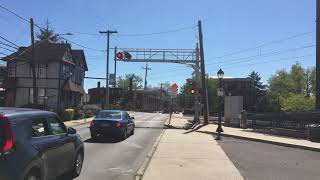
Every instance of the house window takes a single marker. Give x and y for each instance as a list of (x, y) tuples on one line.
[(42, 72), (41, 95), (11, 72)]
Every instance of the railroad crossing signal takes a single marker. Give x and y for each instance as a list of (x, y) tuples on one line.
[(123, 55)]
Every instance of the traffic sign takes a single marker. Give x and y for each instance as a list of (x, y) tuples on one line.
[(174, 87)]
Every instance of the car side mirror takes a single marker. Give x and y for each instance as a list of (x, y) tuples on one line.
[(71, 130), (132, 118)]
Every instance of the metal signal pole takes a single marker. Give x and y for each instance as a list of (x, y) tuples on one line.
[(107, 66), (115, 67), (318, 57), (204, 91), (145, 76)]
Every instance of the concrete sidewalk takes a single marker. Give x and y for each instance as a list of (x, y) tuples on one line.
[(78, 122), (179, 121), (189, 157)]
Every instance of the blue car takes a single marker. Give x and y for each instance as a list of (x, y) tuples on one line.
[(112, 123)]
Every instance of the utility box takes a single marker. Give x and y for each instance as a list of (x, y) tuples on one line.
[(233, 105)]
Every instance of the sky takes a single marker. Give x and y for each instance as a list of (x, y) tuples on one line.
[(229, 26)]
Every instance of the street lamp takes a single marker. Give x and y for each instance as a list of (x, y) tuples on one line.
[(219, 130)]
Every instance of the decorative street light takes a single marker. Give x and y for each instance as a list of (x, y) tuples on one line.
[(219, 130)]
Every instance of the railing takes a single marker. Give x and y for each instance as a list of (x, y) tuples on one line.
[(295, 120)]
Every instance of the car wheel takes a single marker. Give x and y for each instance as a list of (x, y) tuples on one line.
[(132, 131), (124, 136), (77, 166), (33, 175), (94, 137)]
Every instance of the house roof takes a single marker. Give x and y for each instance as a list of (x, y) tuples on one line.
[(45, 50), (72, 87), (78, 55)]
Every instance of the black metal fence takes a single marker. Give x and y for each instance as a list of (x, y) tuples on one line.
[(293, 120)]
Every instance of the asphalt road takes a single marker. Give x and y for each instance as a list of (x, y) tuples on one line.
[(112, 160), (260, 161)]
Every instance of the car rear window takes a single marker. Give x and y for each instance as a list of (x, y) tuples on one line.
[(109, 115)]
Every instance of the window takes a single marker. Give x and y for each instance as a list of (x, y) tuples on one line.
[(31, 95), (57, 127), (109, 115), (42, 72), (127, 116), (11, 72), (39, 128)]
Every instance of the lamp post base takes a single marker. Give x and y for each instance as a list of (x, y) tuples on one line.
[(219, 137)]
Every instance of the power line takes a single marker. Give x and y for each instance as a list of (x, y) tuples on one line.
[(7, 49), (8, 45), (264, 44), (5, 39), (17, 15)]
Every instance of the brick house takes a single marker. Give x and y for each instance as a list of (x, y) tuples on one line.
[(60, 73)]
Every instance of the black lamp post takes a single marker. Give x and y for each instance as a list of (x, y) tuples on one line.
[(219, 130)]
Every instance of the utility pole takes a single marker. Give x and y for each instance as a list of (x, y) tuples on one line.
[(145, 75), (204, 91), (318, 57), (115, 67), (160, 97), (107, 66), (197, 80), (33, 66)]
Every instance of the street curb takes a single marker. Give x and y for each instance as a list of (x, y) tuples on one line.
[(265, 141), (144, 166)]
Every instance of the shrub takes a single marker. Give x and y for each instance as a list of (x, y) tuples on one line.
[(68, 114), (298, 103), (86, 111)]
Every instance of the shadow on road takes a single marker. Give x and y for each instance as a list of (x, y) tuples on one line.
[(103, 140)]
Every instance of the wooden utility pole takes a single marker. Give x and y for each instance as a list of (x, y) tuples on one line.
[(33, 66), (204, 92), (107, 66), (145, 76), (318, 57)]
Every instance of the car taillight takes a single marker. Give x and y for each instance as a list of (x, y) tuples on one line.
[(8, 144), (92, 123), (119, 124)]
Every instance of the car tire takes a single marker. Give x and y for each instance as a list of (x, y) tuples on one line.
[(93, 137), (33, 175), (132, 132), (77, 165), (124, 135)]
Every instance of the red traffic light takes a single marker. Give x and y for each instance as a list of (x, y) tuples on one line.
[(119, 55), (192, 91)]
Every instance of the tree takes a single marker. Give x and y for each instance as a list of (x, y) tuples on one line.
[(298, 103), (297, 74), (123, 82), (48, 33), (259, 91)]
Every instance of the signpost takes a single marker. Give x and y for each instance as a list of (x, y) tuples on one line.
[(174, 93)]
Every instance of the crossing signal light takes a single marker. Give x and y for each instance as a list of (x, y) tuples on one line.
[(119, 55), (127, 55), (192, 92)]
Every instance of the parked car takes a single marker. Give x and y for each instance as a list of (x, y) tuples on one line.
[(112, 123), (36, 145)]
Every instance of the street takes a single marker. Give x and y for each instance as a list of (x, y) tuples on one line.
[(260, 161), (111, 160)]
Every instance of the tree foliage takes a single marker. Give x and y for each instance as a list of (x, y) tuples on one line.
[(48, 33), (123, 82)]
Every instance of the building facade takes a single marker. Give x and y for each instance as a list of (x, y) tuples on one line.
[(60, 73)]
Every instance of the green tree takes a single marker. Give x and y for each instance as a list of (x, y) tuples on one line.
[(123, 82), (297, 74), (48, 33), (259, 91), (298, 103)]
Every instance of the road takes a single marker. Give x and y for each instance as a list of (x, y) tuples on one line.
[(112, 160), (260, 161)]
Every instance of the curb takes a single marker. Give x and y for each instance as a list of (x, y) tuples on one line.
[(144, 166), (72, 125), (265, 141)]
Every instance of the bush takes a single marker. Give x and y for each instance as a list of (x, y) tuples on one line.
[(298, 103), (86, 111), (68, 114)]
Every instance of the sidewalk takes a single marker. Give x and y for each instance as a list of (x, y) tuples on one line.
[(188, 157), (249, 134), (78, 122)]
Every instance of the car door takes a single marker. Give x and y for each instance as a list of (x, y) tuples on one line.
[(46, 144), (66, 149), (130, 122)]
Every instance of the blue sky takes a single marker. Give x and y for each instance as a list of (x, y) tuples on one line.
[(228, 26)]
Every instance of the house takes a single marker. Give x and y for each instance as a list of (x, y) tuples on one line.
[(60, 73), (3, 75)]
